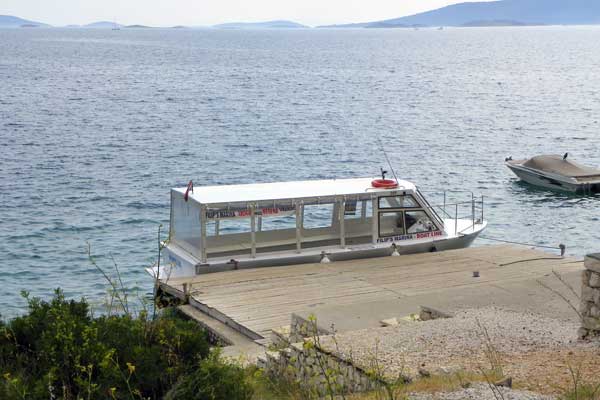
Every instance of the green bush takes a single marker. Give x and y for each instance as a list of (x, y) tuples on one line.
[(58, 350), (212, 380)]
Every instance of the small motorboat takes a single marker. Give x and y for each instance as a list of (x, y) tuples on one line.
[(556, 172)]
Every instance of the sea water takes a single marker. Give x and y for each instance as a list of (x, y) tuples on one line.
[(96, 126)]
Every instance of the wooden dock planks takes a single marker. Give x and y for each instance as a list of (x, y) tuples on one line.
[(259, 300)]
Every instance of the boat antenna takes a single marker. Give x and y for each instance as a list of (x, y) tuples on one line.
[(386, 156)]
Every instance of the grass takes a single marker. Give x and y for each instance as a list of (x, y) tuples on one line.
[(442, 383), (266, 389), (447, 382), (582, 392), (580, 389)]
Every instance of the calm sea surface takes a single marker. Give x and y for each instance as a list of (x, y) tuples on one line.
[(96, 127)]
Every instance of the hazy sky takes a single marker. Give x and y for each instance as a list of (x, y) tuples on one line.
[(208, 12)]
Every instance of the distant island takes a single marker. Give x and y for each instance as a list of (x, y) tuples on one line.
[(139, 26), (261, 25), (496, 22), (8, 21), (497, 13), (102, 25), (476, 14)]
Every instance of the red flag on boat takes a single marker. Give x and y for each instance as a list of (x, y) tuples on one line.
[(190, 188)]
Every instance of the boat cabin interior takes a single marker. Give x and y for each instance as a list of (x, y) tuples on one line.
[(228, 221)]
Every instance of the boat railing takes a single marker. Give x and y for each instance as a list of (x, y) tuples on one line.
[(434, 211), (471, 208)]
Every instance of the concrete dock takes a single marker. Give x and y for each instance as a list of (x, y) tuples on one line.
[(359, 294)]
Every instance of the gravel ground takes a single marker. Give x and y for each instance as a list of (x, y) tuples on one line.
[(528, 344), (463, 336), (481, 392)]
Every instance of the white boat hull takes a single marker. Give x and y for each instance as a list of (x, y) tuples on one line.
[(178, 264)]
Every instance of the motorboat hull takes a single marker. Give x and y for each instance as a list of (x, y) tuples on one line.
[(553, 181)]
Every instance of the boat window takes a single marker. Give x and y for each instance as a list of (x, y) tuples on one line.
[(227, 221), (391, 223), (276, 223), (418, 221), (211, 227), (406, 201), (361, 209), (274, 216), (318, 216), (228, 226)]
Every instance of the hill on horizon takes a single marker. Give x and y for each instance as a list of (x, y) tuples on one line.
[(503, 12), (280, 24), (9, 21), (102, 25)]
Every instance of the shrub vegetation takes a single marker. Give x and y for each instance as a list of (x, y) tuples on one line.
[(58, 350)]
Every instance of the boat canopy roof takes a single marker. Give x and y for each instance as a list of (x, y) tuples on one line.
[(557, 165), (250, 193)]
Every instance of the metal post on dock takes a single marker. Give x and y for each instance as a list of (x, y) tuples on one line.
[(187, 289)]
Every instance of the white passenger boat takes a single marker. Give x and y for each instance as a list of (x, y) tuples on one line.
[(557, 173), (226, 227)]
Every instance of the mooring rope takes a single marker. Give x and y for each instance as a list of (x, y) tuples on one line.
[(531, 259), (560, 247)]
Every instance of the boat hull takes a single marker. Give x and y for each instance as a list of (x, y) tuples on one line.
[(179, 265), (553, 182)]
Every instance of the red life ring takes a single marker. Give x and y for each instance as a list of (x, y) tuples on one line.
[(384, 184)]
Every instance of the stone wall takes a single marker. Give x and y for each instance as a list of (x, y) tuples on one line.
[(302, 328), (316, 371), (590, 298)]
